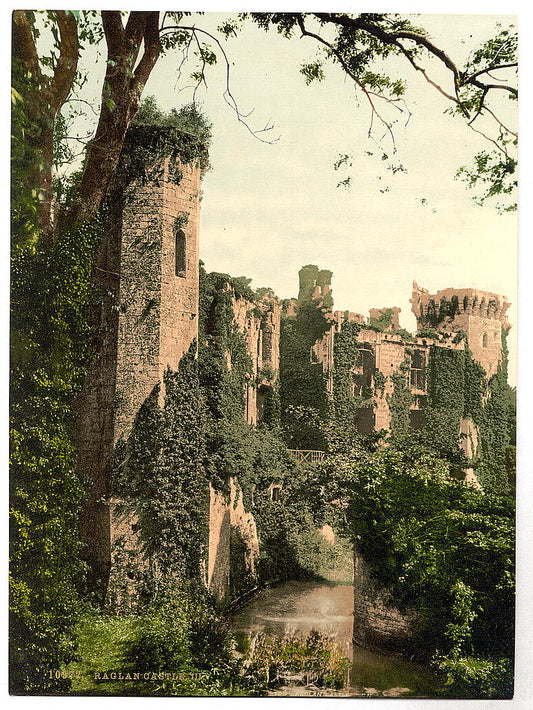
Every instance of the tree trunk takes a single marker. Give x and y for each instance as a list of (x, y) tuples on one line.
[(123, 85)]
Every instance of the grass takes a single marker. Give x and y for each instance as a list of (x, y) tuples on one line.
[(103, 641)]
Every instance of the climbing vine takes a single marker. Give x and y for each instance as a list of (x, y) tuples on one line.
[(303, 386), (400, 400), (498, 431), (346, 401), (160, 476), (182, 135)]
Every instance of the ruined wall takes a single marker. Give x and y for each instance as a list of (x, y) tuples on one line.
[(480, 314), (392, 315), (146, 321), (233, 551), (260, 322), (377, 622)]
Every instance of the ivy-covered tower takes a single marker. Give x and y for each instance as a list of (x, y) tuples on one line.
[(479, 314), (147, 275)]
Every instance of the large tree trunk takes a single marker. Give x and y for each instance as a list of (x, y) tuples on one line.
[(123, 85), (43, 97)]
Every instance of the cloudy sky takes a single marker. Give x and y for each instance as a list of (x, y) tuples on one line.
[(268, 209)]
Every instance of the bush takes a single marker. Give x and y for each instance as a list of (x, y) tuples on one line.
[(315, 658), (473, 677), (188, 645)]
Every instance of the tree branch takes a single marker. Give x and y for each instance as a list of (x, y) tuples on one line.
[(228, 95), (351, 74), (23, 43), (67, 64)]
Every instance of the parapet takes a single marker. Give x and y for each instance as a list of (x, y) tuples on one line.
[(441, 309)]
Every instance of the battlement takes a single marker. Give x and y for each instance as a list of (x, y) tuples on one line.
[(481, 315), (442, 307)]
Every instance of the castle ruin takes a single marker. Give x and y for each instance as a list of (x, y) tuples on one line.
[(148, 276)]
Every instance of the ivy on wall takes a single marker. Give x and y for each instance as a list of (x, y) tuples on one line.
[(458, 387), (257, 457), (303, 386), (311, 276), (184, 136), (345, 404), (400, 400), (161, 475), (498, 431)]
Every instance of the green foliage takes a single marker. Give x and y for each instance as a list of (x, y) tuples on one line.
[(345, 402), (311, 276), (457, 387), (49, 355), (257, 457), (473, 677), (183, 634), (442, 549), (362, 42), (303, 392), (498, 432), (384, 320), (24, 202), (496, 175), (400, 401), (220, 344), (312, 71), (103, 642), (315, 656), (446, 403), (379, 383), (290, 545), (161, 477), (183, 134), (180, 645)]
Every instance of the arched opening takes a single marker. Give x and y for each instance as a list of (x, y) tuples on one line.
[(485, 340), (180, 253)]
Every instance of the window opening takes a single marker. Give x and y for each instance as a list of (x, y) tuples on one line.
[(180, 263)]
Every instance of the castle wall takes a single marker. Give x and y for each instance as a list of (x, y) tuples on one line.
[(233, 550), (158, 310), (480, 314), (147, 319), (260, 323), (377, 622)]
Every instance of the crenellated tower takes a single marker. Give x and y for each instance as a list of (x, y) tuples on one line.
[(481, 315)]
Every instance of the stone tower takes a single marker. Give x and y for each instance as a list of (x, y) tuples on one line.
[(147, 274), (479, 314)]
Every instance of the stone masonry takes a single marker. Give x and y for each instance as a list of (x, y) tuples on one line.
[(480, 315), (148, 276)]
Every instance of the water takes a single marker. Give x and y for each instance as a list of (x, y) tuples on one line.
[(328, 608)]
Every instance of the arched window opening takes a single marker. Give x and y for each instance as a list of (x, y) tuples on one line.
[(180, 246), (485, 340)]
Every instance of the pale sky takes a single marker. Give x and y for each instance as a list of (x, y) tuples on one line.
[(269, 209)]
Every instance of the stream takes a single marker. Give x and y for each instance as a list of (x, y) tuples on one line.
[(300, 607)]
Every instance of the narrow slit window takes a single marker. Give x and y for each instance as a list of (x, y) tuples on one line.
[(485, 341), (180, 253)]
